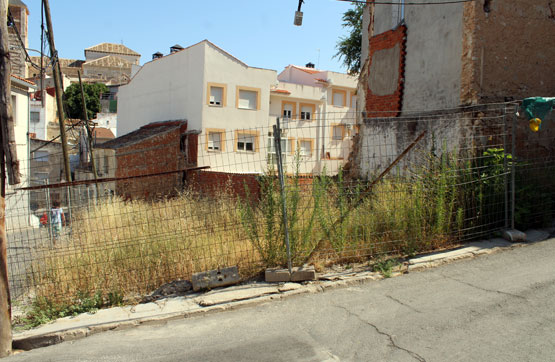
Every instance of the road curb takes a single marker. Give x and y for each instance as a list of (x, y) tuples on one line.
[(27, 341)]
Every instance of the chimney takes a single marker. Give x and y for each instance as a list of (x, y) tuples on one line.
[(175, 48), (157, 55), (310, 65)]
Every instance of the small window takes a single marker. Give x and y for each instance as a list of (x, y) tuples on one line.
[(306, 112), (246, 142), (305, 148), (40, 156), (286, 146), (353, 101), (338, 98), (35, 117), (215, 141), (216, 96), (247, 99), (287, 111), (338, 132)]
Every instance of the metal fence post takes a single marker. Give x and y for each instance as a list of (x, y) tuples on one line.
[(513, 171), (48, 212), (68, 203), (505, 168), (277, 145)]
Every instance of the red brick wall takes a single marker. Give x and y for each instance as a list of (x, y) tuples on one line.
[(154, 155), (375, 104), (213, 183)]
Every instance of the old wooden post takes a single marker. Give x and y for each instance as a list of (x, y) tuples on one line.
[(8, 159), (89, 133), (57, 73)]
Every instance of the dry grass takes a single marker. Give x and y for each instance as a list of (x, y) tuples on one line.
[(133, 247)]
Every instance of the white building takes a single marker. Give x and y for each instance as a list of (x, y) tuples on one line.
[(17, 203), (234, 107)]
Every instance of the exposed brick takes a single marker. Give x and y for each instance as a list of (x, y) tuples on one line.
[(387, 105)]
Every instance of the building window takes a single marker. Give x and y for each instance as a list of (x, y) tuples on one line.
[(215, 139), (40, 156), (246, 141), (288, 109), (339, 98), (216, 95), (306, 147), (337, 132), (307, 111), (35, 117), (287, 147), (248, 98)]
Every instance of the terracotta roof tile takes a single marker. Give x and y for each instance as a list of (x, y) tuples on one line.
[(101, 132), (23, 79), (112, 48), (282, 91)]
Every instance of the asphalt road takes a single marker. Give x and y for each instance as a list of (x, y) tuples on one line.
[(499, 307)]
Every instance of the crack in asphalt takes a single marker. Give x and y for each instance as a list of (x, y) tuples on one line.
[(484, 289), (379, 331), (403, 304)]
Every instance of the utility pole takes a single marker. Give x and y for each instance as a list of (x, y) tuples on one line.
[(89, 133), (57, 73), (8, 158)]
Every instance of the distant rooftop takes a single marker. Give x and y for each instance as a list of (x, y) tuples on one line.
[(143, 133), (112, 48)]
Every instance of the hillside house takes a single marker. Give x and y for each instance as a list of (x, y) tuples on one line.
[(234, 106)]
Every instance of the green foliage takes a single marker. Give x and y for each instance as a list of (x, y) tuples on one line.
[(44, 310), (349, 47), (74, 105), (263, 220), (385, 267)]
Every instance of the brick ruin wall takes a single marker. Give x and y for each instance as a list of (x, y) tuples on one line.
[(380, 104), (508, 50)]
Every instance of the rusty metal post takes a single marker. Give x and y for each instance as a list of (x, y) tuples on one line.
[(277, 146)]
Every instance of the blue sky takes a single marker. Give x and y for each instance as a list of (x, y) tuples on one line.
[(259, 32)]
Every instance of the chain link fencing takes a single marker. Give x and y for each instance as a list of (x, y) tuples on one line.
[(171, 202)]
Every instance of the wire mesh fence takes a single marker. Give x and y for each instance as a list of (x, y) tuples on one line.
[(170, 202)]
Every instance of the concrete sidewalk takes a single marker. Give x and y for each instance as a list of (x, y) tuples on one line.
[(72, 328)]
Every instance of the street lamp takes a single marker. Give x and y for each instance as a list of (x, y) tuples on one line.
[(299, 15)]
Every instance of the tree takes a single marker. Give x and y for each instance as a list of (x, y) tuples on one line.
[(72, 97), (349, 47)]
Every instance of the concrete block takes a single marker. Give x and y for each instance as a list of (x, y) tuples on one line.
[(514, 236), (533, 236), (277, 275), (215, 278), (303, 273)]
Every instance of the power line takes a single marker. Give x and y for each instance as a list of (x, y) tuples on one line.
[(370, 2)]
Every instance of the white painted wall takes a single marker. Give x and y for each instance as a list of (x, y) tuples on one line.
[(168, 88), (17, 203), (107, 120)]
